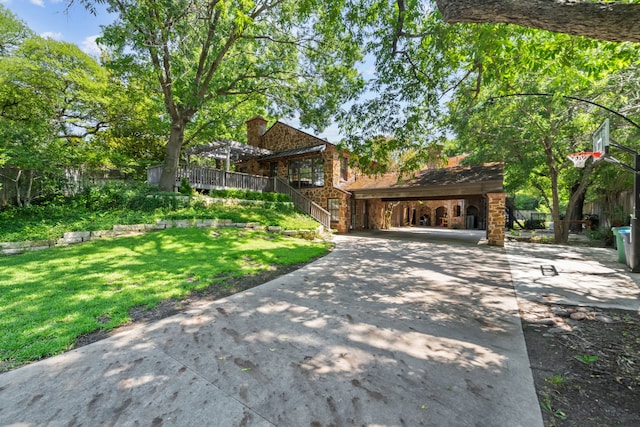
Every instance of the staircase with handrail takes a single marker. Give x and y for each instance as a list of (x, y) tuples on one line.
[(204, 178), (302, 202)]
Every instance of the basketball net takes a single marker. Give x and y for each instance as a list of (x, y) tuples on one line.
[(579, 159)]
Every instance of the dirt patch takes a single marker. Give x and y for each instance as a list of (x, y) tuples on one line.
[(585, 364)]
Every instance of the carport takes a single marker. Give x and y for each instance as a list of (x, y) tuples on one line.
[(470, 197)]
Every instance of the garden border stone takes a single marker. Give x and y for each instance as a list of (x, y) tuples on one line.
[(76, 237)]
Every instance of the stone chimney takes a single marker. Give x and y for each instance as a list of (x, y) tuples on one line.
[(256, 127)]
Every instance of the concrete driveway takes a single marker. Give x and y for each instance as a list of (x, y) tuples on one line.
[(390, 329), (573, 275)]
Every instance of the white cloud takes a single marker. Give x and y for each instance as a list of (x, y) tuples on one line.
[(51, 35), (37, 2), (90, 47)]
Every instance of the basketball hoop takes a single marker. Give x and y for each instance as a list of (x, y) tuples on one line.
[(579, 159)]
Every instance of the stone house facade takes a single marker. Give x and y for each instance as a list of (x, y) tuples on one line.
[(313, 166), (455, 197)]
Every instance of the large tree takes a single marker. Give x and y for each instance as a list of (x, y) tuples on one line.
[(213, 55), (529, 113), (422, 65), (52, 97), (611, 21)]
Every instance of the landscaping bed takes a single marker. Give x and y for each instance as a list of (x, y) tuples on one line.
[(585, 364)]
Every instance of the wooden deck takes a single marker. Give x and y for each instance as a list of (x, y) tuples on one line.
[(202, 178)]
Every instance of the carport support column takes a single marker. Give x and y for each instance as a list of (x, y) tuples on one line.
[(495, 218)]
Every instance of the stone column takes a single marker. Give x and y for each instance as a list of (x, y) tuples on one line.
[(495, 218)]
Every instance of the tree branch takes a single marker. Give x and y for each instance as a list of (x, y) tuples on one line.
[(604, 21)]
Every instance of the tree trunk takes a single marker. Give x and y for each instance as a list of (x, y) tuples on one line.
[(17, 182), (172, 156), (560, 229), (388, 212), (578, 210), (604, 21), (27, 196)]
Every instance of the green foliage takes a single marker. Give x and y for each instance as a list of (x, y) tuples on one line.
[(56, 103), (12, 31), (50, 298), (547, 406), (587, 359), (556, 380), (527, 203), (249, 195), (432, 80), (600, 234), (216, 64), (102, 207), (185, 187)]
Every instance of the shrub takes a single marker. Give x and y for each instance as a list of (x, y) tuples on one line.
[(249, 195), (534, 224), (598, 234), (185, 187), (100, 207)]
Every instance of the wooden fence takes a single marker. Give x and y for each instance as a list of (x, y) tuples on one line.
[(202, 178)]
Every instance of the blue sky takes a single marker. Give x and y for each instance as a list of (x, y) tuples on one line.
[(49, 18)]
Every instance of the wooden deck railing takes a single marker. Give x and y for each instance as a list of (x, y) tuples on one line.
[(202, 178)]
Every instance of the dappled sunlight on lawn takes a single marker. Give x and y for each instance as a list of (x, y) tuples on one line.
[(57, 295)]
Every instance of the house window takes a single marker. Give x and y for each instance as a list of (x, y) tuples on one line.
[(344, 168), (306, 173), (333, 206), (457, 211)]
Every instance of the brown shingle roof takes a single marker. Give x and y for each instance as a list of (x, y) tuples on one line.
[(430, 177)]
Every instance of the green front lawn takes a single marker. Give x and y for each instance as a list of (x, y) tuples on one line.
[(49, 298), (102, 207)]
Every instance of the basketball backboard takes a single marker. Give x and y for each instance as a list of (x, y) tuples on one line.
[(601, 138)]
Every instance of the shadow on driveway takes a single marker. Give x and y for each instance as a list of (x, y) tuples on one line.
[(392, 328)]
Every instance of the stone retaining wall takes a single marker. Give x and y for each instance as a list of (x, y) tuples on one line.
[(75, 237)]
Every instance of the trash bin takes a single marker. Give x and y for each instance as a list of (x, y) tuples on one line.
[(626, 239), (620, 242)]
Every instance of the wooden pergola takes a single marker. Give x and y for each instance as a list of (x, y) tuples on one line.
[(227, 150)]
